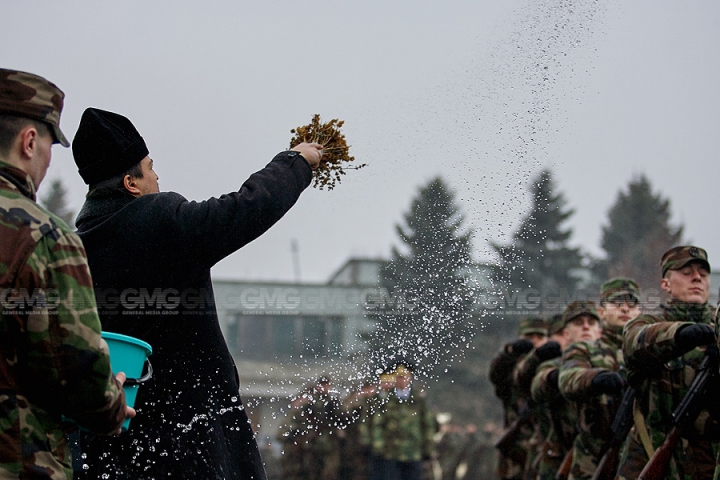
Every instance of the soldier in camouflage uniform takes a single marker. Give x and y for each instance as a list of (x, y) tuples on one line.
[(532, 333), (523, 376), (554, 411), (355, 460), (402, 433), (545, 441), (315, 425), (53, 361), (662, 354), (376, 406), (592, 374)]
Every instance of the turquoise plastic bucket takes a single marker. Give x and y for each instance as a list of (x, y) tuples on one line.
[(128, 355)]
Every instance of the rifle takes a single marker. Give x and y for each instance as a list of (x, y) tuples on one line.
[(621, 425), (564, 471), (509, 438), (684, 415)]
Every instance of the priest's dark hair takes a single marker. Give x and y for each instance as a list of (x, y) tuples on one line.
[(114, 186)]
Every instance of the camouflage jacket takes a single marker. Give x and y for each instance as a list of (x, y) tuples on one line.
[(581, 362), (403, 430), (53, 361), (562, 416), (374, 405), (662, 375)]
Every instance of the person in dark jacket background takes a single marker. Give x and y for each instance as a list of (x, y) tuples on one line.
[(150, 255)]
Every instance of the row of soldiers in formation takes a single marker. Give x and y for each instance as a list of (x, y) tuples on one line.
[(608, 391), (382, 431)]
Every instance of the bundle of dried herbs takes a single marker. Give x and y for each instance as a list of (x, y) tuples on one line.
[(335, 152)]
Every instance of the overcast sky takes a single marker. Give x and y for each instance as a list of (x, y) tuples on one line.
[(484, 93)]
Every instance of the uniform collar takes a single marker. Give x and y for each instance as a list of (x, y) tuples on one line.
[(678, 311), (612, 335), (96, 209), (20, 180)]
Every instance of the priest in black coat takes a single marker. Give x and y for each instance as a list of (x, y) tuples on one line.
[(150, 255)]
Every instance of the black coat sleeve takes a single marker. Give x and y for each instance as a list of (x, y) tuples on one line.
[(210, 230)]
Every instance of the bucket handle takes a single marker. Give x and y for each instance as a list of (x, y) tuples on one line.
[(131, 382)]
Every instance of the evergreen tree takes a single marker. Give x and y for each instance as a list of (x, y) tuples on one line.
[(637, 234), (55, 202), (539, 256), (430, 275)]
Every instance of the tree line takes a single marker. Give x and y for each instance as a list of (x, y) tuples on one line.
[(453, 340)]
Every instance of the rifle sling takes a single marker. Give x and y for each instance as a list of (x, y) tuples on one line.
[(642, 430)]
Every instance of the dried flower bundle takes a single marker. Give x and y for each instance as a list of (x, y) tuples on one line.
[(336, 151)]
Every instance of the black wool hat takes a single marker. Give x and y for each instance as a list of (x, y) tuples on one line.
[(106, 144)]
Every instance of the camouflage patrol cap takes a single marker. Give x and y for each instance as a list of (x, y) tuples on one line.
[(677, 257), (31, 96), (532, 325), (618, 287), (575, 309), (555, 324)]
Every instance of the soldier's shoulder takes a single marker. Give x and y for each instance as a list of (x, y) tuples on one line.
[(643, 319), (553, 362), (579, 348), (20, 213)]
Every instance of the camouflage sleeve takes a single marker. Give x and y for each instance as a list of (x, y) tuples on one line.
[(650, 342), (67, 358), (576, 372), (525, 371), (542, 390)]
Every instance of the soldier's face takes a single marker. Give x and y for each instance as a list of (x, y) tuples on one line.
[(617, 313), (689, 284), (584, 328), (536, 339), (403, 381)]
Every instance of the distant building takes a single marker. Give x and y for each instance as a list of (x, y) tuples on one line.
[(283, 335)]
